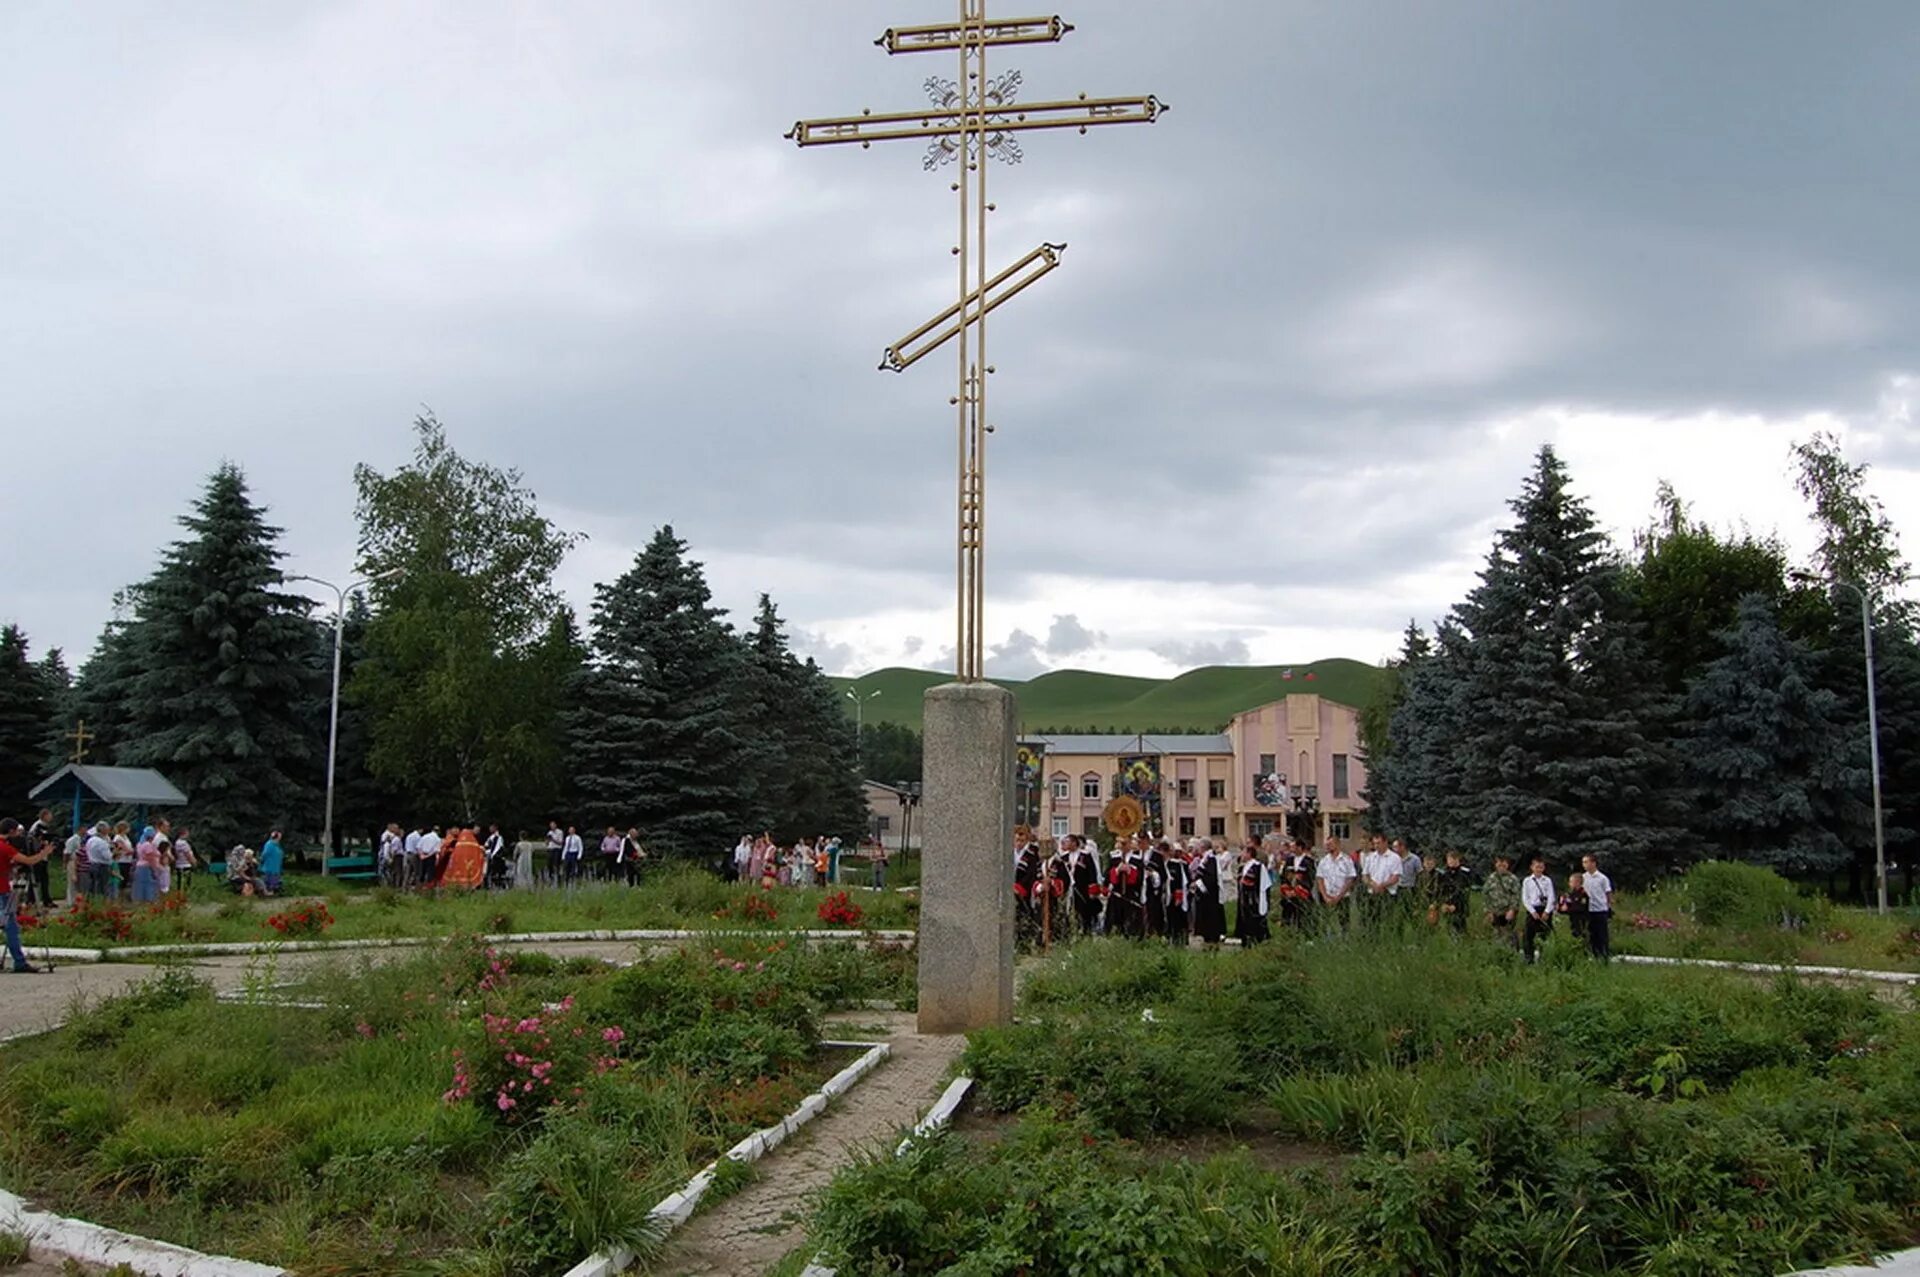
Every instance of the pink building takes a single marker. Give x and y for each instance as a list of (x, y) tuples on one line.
[(1292, 766)]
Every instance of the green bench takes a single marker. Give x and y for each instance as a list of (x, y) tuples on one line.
[(352, 868)]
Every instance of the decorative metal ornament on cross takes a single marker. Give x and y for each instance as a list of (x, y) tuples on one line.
[(971, 118)]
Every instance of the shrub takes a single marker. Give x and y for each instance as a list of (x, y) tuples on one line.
[(1132, 1079), (570, 1192), (13, 1249), (1729, 893)]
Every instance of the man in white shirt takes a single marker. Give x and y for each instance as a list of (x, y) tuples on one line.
[(99, 862), (1332, 882), (1599, 908), (410, 861), (390, 850), (1536, 898), (1382, 868), (1410, 866), (572, 851), (427, 857)]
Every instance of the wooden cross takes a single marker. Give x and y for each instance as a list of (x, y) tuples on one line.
[(971, 119), (80, 736)]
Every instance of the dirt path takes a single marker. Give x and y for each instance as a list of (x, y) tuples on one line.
[(751, 1231)]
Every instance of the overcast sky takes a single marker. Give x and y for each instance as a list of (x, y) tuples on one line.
[(1310, 328)]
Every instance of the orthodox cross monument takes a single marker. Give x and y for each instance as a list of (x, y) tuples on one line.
[(966, 896)]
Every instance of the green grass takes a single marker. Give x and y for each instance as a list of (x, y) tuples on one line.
[(1201, 700), (1376, 1108), (673, 897), (327, 1140)]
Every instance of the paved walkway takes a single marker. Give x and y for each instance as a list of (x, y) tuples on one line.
[(751, 1231), (35, 1003)]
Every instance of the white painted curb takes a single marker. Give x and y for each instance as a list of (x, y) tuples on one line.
[(936, 1119), (126, 953), (1904, 1264), (676, 1208), (940, 1114), (93, 1244), (1772, 968)]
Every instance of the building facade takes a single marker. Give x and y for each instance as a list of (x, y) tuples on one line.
[(1292, 766)]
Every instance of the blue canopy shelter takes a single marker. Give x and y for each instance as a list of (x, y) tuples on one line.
[(135, 787)]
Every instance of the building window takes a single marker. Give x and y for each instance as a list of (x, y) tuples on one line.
[(1268, 765), (1186, 826), (1216, 789), (1059, 828), (1259, 828), (883, 823), (1059, 789), (1186, 787), (1217, 826), (1090, 788), (1090, 826), (1340, 776), (1340, 827)]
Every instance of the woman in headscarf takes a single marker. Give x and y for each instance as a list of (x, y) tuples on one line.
[(146, 868)]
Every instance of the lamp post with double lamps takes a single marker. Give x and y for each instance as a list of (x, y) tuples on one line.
[(860, 708), (340, 594)]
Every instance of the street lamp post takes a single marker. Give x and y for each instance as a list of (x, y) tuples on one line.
[(860, 709), (340, 594), (1873, 729), (1873, 746)]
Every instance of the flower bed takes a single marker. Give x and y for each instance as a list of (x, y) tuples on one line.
[(370, 1135), (671, 897), (1425, 1107)]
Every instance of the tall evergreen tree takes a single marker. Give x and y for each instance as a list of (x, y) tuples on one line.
[(655, 740), (1776, 767), (1383, 792), (1420, 787), (1564, 748), (27, 708), (806, 755), (226, 673)]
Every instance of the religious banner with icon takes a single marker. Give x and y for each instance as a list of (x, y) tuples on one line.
[(1140, 777), (1027, 761), (1270, 789)]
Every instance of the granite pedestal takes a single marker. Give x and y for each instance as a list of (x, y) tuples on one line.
[(966, 874)]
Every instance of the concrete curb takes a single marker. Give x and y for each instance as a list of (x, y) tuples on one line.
[(936, 1119), (1772, 968), (1905, 1263), (133, 953), (90, 1243), (676, 1208)]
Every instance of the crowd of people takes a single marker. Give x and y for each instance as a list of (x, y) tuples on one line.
[(1178, 892), (806, 863)]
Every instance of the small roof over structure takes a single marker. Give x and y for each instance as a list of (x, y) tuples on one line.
[(121, 786)]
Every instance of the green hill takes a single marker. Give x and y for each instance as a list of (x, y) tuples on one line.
[(1199, 700)]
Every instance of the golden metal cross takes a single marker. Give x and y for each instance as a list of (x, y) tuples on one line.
[(80, 736), (971, 120)]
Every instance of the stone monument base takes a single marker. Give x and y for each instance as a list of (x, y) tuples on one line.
[(966, 863)]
